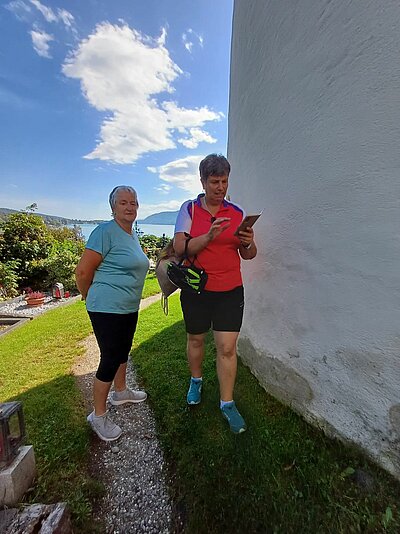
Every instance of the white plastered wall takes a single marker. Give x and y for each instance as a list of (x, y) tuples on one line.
[(314, 139)]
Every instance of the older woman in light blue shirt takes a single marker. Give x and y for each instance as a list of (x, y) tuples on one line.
[(110, 277)]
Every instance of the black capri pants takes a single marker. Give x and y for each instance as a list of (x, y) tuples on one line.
[(114, 333)]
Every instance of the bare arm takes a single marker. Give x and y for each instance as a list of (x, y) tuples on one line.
[(196, 244), (248, 248), (85, 269)]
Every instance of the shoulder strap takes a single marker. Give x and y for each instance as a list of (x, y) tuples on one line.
[(185, 254), (188, 238), (192, 215)]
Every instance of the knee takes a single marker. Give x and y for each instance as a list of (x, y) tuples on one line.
[(195, 343), (107, 369), (227, 351)]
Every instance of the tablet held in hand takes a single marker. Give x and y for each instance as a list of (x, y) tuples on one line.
[(249, 220)]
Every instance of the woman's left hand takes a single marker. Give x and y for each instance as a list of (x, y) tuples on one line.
[(246, 237)]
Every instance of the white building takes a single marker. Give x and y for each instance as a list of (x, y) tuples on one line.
[(314, 140)]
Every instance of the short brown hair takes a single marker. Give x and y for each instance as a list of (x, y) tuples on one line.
[(214, 165)]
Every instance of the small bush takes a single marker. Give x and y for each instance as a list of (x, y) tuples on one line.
[(45, 255), (25, 238), (9, 279), (59, 266), (152, 245), (72, 236)]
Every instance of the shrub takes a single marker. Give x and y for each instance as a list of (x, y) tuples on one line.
[(45, 255), (73, 236), (152, 245), (60, 265), (9, 279), (25, 238)]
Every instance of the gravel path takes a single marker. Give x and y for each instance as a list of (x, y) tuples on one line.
[(132, 469)]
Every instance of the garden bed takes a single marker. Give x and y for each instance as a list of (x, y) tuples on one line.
[(18, 307), (9, 323)]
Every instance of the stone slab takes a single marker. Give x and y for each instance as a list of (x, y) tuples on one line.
[(42, 519), (7, 516), (17, 478)]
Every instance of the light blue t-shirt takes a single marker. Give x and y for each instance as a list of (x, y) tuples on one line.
[(118, 281)]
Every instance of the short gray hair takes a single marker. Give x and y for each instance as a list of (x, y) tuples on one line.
[(114, 193)]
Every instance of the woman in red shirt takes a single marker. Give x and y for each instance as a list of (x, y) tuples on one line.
[(220, 306)]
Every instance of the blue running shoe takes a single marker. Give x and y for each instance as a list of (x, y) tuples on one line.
[(235, 420), (194, 393)]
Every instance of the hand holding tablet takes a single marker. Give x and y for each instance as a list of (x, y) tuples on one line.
[(249, 220)]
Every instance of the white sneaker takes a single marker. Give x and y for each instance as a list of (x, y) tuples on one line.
[(104, 426), (128, 395)]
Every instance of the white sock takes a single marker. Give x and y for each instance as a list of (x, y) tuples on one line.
[(224, 403), (197, 379)]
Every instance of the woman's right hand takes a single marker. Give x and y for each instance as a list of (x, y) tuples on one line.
[(218, 227), (196, 244)]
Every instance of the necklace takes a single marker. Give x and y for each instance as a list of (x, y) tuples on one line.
[(205, 203), (208, 209)]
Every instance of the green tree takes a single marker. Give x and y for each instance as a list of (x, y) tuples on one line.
[(59, 266), (25, 238), (72, 236), (152, 245), (66, 250), (31, 208)]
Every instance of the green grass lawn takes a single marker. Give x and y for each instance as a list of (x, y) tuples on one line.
[(35, 364), (280, 476), (151, 286), (35, 368)]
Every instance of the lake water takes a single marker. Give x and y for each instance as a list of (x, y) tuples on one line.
[(147, 229)]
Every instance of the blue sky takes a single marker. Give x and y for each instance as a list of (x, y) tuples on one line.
[(97, 93)]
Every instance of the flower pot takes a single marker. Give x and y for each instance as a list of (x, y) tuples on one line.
[(31, 302)]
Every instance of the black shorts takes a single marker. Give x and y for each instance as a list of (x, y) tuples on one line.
[(221, 310)]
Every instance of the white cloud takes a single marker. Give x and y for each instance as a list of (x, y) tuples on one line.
[(40, 40), (183, 118), (197, 136), (20, 9), (189, 46), (164, 188), (122, 71), (66, 17), (182, 173), (188, 39), (47, 12), (60, 15)]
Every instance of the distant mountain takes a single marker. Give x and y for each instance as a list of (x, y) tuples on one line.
[(52, 220), (164, 217)]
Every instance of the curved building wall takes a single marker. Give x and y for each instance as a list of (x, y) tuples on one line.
[(314, 140)]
